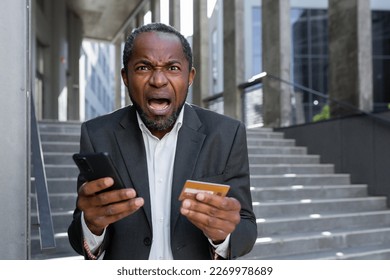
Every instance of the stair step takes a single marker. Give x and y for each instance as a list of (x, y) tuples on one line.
[(261, 129), (317, 245), (318, 207), (299, 179), (68, 147), (61, 185), (269, 169), (60, 137), (270, 150), (60, 127), (62, 250), (61, 171), (58, 201), (322, 223), (283, 159), (58, 158), (61, 220), (307, 192), (373, 252), (264, 135), (255, 142)]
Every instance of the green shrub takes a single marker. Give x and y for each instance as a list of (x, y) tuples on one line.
[(323, 115)]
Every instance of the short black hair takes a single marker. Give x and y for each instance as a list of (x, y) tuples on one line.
[(155, 27)]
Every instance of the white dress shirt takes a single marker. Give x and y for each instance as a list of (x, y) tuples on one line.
[(160, 155)]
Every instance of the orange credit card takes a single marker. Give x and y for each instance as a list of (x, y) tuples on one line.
[(191, 188)]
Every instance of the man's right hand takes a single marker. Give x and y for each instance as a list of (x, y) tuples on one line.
[(105, 208)]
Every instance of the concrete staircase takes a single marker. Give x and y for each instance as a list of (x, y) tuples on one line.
[(60, 140), (306, 211)]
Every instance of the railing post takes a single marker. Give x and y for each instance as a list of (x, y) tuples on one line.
[(42, 195)]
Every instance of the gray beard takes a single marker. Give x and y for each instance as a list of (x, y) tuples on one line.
[(160, 123)]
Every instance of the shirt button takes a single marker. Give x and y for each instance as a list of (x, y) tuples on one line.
[(147, 241)]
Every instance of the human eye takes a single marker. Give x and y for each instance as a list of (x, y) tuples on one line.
[(174, 68), (142, 68)]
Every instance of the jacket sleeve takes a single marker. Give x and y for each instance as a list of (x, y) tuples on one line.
[(75, 232), (237, 175)]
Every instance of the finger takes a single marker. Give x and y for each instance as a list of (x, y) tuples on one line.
[(214, 228), (92, 187), (224, 203), (123, 208), (228, 210), (210, 217), (105, 198), (103, 216), (113, 196)]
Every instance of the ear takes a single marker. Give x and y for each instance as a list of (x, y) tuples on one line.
[(191, 76), (124, 77)]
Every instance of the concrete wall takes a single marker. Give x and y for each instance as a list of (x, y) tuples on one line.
[(358, 145), (14, 127)]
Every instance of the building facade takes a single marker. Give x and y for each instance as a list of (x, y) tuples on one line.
[(97, 88), (309, 51)]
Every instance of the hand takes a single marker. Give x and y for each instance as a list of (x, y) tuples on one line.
[(216, 216), (105, 208)]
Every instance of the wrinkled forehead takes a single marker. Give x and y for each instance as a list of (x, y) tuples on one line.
[(152, 42)]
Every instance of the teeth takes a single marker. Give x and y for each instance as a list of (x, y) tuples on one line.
[(153, 107), (158, 105)]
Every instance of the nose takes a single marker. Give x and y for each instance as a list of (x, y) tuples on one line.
[(158, 78)]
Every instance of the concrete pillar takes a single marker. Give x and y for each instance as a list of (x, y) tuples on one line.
[(41, 38), (15, 81), (200, 48), (75, 38), (233, 56), (56, 96), (155, 7), (117, 73), (276, 40), (174, 13), (350, 55)]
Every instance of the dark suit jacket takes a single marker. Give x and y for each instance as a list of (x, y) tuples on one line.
[(210, 147)]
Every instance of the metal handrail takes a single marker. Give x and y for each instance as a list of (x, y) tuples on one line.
[(258, 79), (45, 221)]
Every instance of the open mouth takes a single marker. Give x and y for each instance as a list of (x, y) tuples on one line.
[(159, 106)]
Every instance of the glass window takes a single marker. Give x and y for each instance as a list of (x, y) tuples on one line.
[(381, 33), (381, 59), (310, 56)]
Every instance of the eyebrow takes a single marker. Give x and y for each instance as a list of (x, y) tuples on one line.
[(149, 63)]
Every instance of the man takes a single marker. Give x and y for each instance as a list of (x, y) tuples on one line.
[(157, 144)]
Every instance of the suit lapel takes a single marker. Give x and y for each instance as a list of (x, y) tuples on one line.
[(132, 149), (189, 144)]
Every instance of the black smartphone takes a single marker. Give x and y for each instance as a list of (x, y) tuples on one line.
[(94, 166)]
